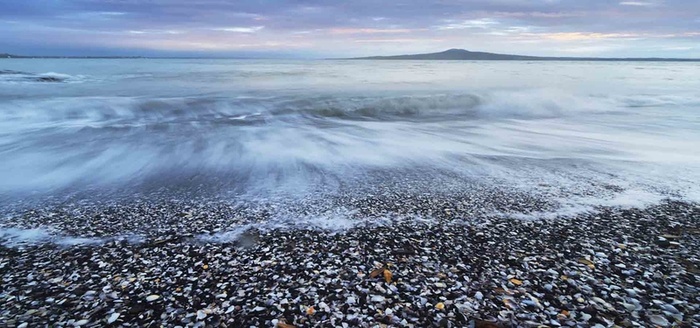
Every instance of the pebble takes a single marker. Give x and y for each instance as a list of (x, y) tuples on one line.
[(112, 318), (658, 320), (378, 299)]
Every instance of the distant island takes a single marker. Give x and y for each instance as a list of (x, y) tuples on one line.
[(461, 54)]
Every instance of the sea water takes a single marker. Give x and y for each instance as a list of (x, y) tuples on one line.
[(580, 134)]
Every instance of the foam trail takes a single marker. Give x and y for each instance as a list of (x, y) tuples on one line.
[(16, 237), (332, 222)]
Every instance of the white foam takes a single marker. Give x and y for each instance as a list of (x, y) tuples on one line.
[(629, 198), (335, 221), (578, 205), (16, 237), (226, 236)]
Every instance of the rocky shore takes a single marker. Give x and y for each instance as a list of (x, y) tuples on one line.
[(445, 268)]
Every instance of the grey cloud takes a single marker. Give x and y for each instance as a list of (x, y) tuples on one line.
[(312, 18)]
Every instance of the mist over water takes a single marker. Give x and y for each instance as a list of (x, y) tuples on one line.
[(577, 133)]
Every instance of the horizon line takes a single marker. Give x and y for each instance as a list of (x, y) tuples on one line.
[(378, 57)]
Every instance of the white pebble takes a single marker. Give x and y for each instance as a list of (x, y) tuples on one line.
[(323, 306), (585, 317), (378, 298), (112, 318)]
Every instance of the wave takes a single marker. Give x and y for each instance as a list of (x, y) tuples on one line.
[(127, 111), (14, 77), (300, 144), (166, 114)]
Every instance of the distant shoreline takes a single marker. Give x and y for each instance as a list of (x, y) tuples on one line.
[(9, 56), (563, 59), (544, 59), (448, 55)]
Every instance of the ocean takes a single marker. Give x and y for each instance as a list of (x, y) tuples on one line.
[(306, 139)]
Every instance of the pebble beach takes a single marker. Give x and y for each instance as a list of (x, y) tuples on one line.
[(612, 268)]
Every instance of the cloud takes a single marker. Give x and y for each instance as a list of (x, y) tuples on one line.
[(319, 25), (401, 40), (172, 32), (638, 3), (110, 13), (591, 49), (467, 24), (369, 30), (578, 36), (679, 48), (539, 14), (251, 29)]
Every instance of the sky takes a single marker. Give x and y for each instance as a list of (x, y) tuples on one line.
[(320, 29)]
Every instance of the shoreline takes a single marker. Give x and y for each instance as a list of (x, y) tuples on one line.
[(606, 268)]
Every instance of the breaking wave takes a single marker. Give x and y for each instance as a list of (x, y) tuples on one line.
[(125, 111), (59, 142), (15, 77), (121, 111)]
